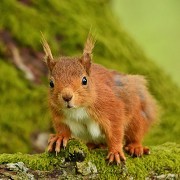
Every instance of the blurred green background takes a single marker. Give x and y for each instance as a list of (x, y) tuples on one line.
[(24, 115), (156, 27)]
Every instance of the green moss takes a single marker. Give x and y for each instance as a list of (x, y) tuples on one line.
[(164, 159), (20, 110), (43, 161), (77, 148)]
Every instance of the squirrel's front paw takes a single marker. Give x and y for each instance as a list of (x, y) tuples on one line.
[(117, 156), (56, 141)]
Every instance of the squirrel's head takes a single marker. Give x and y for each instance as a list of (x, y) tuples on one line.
[(69, 78)]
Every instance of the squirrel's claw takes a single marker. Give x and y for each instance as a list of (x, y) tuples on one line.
[(110, 157), (55, 141), (65, 140), (51, 142), (58, 145), (115, 157), (146, 150)]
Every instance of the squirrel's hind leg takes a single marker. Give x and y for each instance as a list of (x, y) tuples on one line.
[(133, 137)]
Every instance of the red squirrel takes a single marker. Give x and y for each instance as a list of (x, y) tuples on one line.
[(102, 107)]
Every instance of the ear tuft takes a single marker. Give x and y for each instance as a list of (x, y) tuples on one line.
[(48, 55), (89, 45), (87, 52)]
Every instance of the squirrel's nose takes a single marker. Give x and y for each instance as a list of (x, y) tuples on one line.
[(67, 98)]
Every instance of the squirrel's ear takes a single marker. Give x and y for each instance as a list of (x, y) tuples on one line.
[(87, 52), (49, 60)]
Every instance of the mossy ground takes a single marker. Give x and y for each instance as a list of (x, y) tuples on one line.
[(66, 24), (164, 159)]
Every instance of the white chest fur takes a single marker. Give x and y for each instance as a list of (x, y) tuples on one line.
[(82, 126)]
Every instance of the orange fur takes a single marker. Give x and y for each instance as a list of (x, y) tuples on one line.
[(112, 108)]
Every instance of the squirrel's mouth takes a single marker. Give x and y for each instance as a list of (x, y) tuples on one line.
[(69, 105)]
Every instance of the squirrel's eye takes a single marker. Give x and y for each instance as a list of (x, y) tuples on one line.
[(51, 84), (84, 81)]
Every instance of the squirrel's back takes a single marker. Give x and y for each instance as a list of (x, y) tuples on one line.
[(129, 89)]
